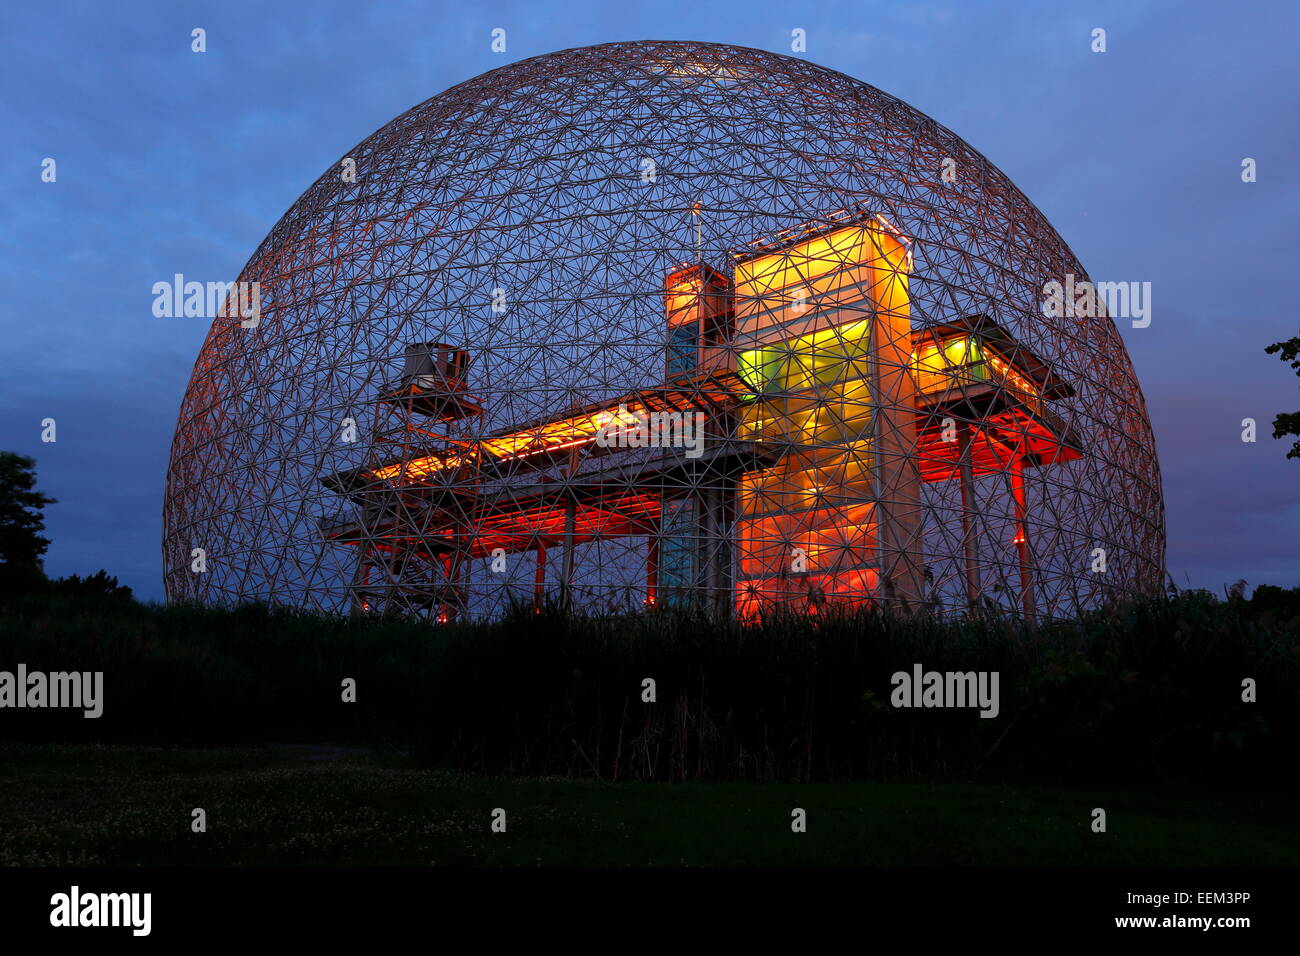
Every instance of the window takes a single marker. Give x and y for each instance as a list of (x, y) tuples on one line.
[(682, 350)]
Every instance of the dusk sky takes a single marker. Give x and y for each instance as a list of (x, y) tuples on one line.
[(171, 162)]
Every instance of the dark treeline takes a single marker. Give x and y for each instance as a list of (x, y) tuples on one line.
[(1150, 691)]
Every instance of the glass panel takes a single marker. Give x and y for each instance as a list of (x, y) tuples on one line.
[(682, 350)]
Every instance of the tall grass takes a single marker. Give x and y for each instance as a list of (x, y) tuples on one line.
[(1140, 692)]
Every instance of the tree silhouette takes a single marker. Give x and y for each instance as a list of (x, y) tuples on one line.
[(22, 519), (99, 584), (1288, 423)]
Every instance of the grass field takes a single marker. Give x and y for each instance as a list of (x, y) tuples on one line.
[(79, 804)]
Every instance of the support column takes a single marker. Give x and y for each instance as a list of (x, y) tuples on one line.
[(707, 574), (1022, 535), (359, 602), (724, 597), (451, 595), (566, 571), (966, 480), (897, 476), (652, 569), (539, 580)]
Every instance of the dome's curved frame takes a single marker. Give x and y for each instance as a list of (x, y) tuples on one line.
[(531, 217)]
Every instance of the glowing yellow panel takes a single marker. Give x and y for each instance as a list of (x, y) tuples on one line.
[(812, 264)]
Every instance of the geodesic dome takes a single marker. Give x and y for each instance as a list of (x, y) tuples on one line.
[(662, 323)]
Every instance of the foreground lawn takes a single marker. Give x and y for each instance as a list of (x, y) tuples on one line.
[(281, 805)]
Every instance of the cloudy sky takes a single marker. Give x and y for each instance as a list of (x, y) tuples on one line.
[(171, 161)]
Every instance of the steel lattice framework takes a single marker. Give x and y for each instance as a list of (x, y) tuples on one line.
[(663, 323)]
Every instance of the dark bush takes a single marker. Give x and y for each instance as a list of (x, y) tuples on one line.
[(1146, 691)]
